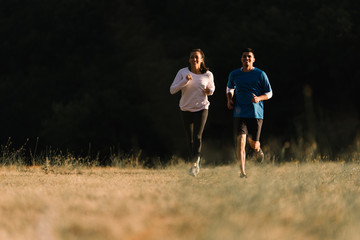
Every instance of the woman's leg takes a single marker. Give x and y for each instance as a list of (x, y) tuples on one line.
[(188, 120), (199, 125)]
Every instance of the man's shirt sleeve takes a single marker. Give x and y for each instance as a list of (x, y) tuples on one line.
[(265, 83), (230, 83)]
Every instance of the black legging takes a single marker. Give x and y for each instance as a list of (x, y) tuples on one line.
[(194, 123)]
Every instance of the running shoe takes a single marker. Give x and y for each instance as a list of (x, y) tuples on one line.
[(198, 162), (259, 156), (194, 170), (241, 175)]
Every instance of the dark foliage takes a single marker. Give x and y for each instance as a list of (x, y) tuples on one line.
[(97, 73)]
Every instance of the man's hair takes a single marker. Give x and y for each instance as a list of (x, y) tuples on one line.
[(248, 50)]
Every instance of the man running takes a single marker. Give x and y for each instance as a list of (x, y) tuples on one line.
[(251, 86)]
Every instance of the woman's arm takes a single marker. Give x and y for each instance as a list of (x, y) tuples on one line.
[(210, 88), (178, 83)]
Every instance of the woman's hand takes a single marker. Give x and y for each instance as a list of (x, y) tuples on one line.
[(188, 77), (207, 91)]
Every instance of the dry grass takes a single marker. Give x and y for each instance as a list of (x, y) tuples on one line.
[(290, 201)]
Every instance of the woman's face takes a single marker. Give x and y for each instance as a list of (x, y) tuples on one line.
[(195, 60)]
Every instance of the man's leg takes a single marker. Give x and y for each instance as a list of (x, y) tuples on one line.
[(254, 138), (259, 155), (241, 153), (254, 144)]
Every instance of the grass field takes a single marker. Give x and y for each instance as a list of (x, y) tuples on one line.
[(288, 201)]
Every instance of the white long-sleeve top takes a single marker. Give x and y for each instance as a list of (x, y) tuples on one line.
[(193, 97)]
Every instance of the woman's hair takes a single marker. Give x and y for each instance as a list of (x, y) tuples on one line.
[(203, 68)]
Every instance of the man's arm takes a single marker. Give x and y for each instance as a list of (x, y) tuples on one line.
[(264, 97), (229, 97)]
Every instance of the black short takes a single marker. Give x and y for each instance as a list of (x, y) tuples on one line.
[(248, 126)]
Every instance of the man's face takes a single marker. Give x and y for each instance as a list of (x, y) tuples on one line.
[(247, 59)]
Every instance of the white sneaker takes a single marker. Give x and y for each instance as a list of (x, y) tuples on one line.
[(194, 170), (198, 162)]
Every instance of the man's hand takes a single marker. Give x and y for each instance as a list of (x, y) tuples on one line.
[(255, 99), (230, 102)]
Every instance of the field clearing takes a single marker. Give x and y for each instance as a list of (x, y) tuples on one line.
[(289, 201)]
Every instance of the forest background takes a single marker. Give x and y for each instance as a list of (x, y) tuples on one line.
[(92, 77)]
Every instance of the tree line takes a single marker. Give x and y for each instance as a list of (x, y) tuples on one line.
[(86, 76)]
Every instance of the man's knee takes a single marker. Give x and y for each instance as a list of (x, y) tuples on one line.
[(257, 146), (254, 144)]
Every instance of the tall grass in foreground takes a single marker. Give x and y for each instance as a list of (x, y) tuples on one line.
[(287, 201), (214, 154)]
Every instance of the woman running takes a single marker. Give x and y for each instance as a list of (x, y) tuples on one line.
[(196, 83)]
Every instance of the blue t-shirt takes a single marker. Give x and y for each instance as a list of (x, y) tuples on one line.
[(245, 84)]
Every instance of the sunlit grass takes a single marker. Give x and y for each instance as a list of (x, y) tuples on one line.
[(287, 201)]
